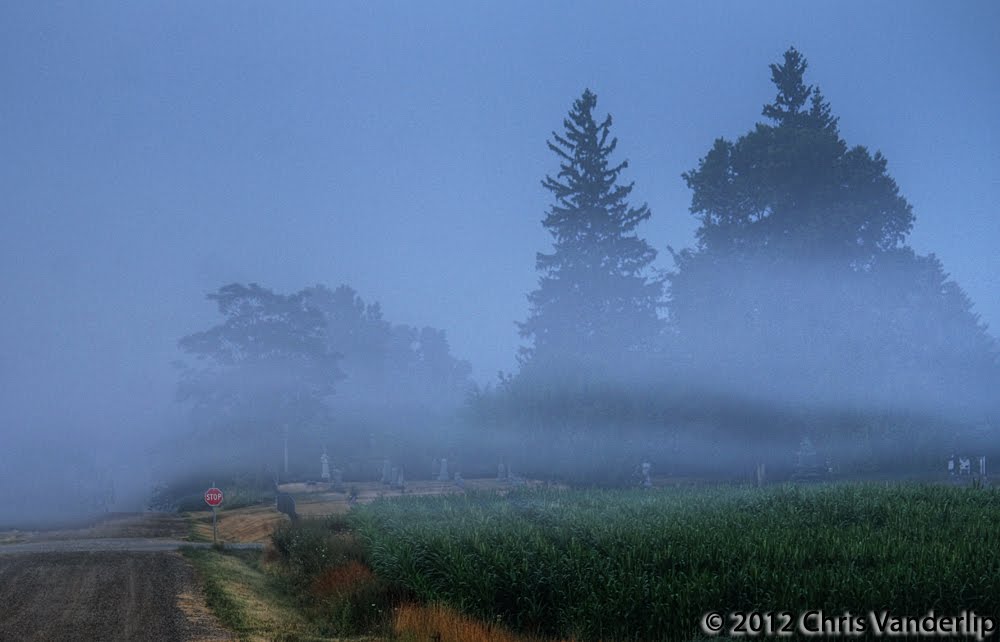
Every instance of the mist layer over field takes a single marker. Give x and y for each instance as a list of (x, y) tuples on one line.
[(232, 241)]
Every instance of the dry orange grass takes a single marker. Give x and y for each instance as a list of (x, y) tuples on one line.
[(437, 623), (342, 580), (253, 524)]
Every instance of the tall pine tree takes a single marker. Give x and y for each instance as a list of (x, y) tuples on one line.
[(595, 305)]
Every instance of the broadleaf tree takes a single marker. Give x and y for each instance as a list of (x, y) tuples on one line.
[(801, 286), (387, 365), (267, 365), (321, 361)]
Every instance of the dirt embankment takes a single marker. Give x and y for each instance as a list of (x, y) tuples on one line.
[(112, 525), (102, 596)]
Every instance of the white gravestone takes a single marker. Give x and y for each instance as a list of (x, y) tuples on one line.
[(443, 472), (964, 466), (324, 462)]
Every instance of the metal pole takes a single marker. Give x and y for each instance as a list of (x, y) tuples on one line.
[(214, 538), (286, 450)]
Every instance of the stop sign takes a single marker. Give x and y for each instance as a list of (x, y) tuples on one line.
[(213, 496)]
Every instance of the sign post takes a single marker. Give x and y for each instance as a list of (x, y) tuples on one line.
[(213, 497)]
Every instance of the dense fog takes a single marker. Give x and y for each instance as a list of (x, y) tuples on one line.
[(235, 238)]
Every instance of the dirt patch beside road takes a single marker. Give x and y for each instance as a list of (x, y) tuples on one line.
[(131, 525), (102, 596), (248, 524)]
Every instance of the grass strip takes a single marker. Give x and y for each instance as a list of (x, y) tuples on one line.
[(246, 601)]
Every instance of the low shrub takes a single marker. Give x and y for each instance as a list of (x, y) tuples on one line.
[(314, 545), (358, 602), (324, 563)]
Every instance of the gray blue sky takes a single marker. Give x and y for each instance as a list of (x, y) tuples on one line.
[(152, 152)]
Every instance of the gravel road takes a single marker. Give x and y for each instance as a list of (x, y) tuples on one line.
[(118, 579), (109, 545), (102, 596)]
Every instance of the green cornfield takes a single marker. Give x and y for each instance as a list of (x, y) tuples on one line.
[(647, 564)]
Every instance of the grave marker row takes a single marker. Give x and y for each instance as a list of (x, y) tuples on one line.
[(965, 466)]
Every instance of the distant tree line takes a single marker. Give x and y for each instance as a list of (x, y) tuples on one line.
[(800, 311)]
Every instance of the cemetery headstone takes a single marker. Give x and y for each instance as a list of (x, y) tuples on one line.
[(459, 481), (647, 482), (807, 466), (982, 465), (443, 471), (386, 471), (964, 466), (951, 466), (337, 477), (761, 473), (501, 472), (324, 462)]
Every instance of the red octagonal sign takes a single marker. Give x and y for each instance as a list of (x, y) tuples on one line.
[(213, 496)]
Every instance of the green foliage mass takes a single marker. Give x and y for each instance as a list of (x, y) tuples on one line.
[(633, 565), (315, 545), (310, 551)]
